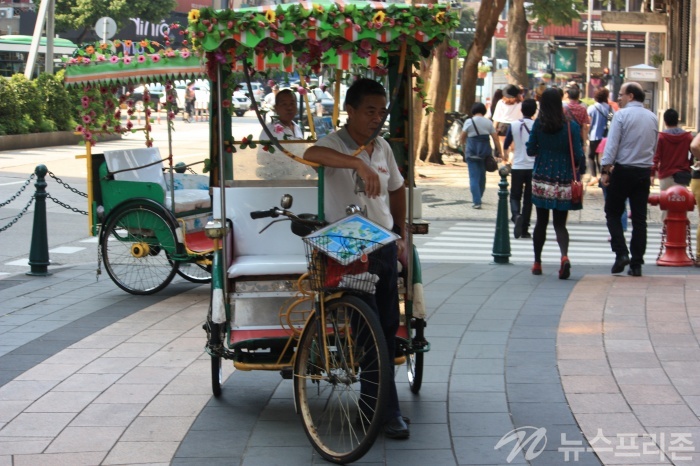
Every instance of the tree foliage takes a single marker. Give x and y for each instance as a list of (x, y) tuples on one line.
[(542, 13), (83, 14), (486, 21), (557, 12)]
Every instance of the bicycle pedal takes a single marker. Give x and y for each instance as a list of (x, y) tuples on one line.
[(287, 373)]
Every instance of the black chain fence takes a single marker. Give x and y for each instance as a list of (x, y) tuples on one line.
[(31, 199)]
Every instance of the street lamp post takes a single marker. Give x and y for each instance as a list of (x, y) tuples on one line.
[(552, 46)]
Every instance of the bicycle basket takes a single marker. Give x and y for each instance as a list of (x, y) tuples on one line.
[(356, 269)]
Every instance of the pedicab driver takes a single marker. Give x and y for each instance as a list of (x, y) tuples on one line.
[(370, 180)]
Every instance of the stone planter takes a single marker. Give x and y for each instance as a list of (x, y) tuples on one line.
[(57, 138)]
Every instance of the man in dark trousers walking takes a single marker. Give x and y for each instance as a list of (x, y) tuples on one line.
[(626, 172)]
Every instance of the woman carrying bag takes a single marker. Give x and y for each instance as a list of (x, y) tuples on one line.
[(475, 133), (556, 144)]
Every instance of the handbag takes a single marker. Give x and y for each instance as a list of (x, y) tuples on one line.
[(490, 163), (576, 185)]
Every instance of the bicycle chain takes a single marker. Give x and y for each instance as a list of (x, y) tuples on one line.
[(66, 185), (22, 212), (21, 190), (66, 206)]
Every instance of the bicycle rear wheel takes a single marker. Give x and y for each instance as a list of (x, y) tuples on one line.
[(341, 418), (136, 243)]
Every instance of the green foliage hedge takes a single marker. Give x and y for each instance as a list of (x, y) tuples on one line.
[(36, 106)]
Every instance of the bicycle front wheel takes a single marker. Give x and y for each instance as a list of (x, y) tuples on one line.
[(341, 378)]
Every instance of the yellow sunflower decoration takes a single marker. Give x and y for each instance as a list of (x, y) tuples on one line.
[(440, 17), (379, 17), (193, 16), (270, 16)]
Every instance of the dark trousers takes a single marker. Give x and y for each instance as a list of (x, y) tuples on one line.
[(593, 162), (521, 189), (385, 302), (627, 182)]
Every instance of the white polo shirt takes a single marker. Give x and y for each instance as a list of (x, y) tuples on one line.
[(339, 189)]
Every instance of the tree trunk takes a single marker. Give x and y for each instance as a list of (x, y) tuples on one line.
[(486, 21), (418, 113), (517, 45), (433, 125)]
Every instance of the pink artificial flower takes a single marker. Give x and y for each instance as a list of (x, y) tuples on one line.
[(72, 61), (114, 59), (141, 58), (101, 58), (79, 129), (87, 134), (155, 58), (226, 103), (302, 91), (86, 60), (169, 53), (279, 129), (171, 115), (129, 125), (87, 119), (451, 52), (118, 114), (184, 53), (118, 128), (127, 59)]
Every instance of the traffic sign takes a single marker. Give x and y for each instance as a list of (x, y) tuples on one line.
[(105, 28)]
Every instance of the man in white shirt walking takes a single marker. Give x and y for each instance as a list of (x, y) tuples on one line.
[(521, 170), (626, 172)]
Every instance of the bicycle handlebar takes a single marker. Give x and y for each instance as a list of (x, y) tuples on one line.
[(274, 212), (302, 224)]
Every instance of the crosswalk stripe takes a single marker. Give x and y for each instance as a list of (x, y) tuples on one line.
[(473, 242)]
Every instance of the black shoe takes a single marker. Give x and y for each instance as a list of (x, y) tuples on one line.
[(635, 271), (526, 235), (620, 263), (396, 429), (518, 230)]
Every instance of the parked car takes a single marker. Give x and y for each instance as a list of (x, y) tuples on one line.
[(201, 92), (240, 103), (258, 91), (325, 99), (156, 90)]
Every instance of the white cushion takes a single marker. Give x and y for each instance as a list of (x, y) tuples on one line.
[(188, 199), (268, 265)]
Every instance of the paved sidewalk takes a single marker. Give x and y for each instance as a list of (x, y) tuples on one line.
[(91, 375)]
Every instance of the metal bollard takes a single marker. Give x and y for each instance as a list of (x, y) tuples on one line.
[(501, 241), (39, 250)]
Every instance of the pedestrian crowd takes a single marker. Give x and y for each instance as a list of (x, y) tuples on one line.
[(543, 140)]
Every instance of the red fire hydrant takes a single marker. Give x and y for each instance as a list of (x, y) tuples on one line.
[(677, 201)]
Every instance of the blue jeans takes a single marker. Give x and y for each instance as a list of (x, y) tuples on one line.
[(477, 179)]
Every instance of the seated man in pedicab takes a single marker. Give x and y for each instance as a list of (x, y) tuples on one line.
[(276, 165), (372, 181)]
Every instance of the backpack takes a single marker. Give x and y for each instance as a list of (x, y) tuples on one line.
[(608, 118)]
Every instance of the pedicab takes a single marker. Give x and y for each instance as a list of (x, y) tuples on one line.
[(288, 294), (149, 219)]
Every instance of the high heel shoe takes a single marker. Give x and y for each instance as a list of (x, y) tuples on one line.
[(565, 269), (537, 268)]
